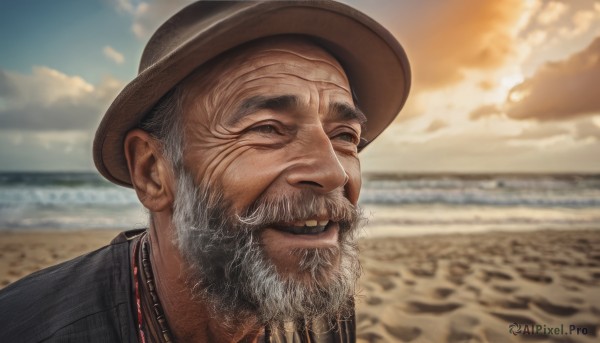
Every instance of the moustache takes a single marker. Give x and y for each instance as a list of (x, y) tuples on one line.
[(303, 204)]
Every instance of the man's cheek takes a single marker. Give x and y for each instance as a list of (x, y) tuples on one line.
[(209, 161), (247, 178)]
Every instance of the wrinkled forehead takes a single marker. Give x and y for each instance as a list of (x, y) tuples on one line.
[(284, 55)]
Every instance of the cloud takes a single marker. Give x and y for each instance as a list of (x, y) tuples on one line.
[(559, 90), (46, 150), (148, 16), (582, 21), (436, 125), (486, 85), (48, 99), (125, 5), (551, 12), (484, 111), (537, 37), (481, 152), (7, 87), (540, 132), (445, 40), (113, 55), (588, 129)]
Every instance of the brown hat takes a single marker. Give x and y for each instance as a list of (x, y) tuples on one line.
[(373, 60)]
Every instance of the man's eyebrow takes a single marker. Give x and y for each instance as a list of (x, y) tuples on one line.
[(257, 103), (339, 111), (343, 111)]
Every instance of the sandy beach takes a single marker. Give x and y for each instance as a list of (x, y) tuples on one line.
[(435, 288)]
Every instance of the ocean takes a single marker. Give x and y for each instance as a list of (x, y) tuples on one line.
[(394, 204)]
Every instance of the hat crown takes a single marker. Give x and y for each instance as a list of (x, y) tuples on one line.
[(372, 58), (183, 26)]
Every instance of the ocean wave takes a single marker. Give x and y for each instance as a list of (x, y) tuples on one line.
[(89, 189), (533, 198), (117, 196), (478, 221), (67, 196), (488, 182)]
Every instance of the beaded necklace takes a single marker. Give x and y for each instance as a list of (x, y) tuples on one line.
[(148, 276)]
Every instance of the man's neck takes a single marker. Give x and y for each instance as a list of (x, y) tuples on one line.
[(189, 320)]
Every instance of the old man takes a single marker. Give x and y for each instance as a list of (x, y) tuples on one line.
[(241, 136)]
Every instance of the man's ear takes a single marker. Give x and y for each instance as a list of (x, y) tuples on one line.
[(150, 172)]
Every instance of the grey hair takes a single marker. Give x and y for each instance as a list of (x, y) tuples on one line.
[(230, 272), (164, 122)]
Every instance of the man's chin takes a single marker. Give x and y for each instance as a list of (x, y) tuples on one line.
[(312, 260), (315, 268)]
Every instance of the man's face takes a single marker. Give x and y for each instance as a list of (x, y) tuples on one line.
[(272, 132), (279, 118)]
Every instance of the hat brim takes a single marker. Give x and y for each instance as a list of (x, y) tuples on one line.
[(373, 60)]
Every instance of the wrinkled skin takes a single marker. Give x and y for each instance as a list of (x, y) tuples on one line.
[(269, 150), (274, 151)]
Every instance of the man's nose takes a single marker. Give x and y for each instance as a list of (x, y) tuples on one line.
[(318, 167)]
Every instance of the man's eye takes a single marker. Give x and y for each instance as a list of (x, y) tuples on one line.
[(348, 137), (265, 129)]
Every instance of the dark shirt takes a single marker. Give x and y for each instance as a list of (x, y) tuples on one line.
[(87, 299)]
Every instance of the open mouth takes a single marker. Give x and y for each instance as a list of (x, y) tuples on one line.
[(306, 227), (310, 233)]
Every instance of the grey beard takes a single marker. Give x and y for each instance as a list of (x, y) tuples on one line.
[(230, 272)]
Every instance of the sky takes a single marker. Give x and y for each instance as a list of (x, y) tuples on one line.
[(498, 86)]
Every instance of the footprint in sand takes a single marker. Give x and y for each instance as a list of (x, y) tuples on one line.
[(457, 280), (536, 277), (520, 303), (462, 321), (370, 337), (15, 272), (458, 326), (513, 318), (461, 337), (575, 278), (385, 283), (577, 301), (442, 292), (559, 262), (366, 320), (403, 333), (494, 274), (424, 270), (595, 257), (457, 271), (423, 307), (385, 273), (504, 289), (474, 290), (571, 288), (371, 300), (555, 309)]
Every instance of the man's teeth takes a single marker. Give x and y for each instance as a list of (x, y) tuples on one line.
[(309, 226), (312, 223)]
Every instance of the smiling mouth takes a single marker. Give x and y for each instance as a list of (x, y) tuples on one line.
[(307, 227)]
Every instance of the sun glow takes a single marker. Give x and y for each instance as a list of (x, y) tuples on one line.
[(509, 81)]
